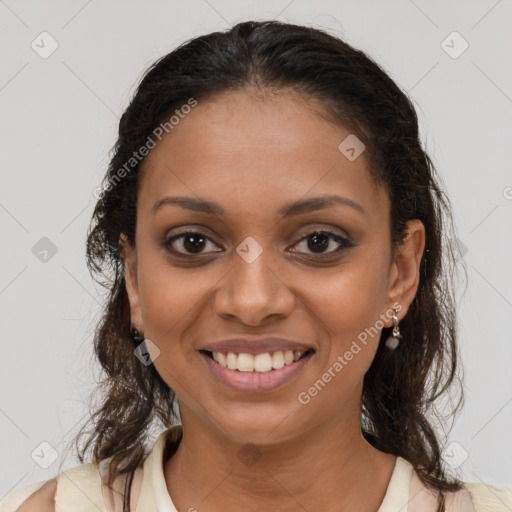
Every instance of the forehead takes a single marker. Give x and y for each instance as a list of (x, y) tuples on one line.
[(255, 150)]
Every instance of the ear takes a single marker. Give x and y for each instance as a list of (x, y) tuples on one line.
[(129, 257), (404, 274)]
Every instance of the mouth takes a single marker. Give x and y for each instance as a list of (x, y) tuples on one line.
[(260, 363), (257, 373)]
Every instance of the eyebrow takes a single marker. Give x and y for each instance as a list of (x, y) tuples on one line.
[(288, 210)]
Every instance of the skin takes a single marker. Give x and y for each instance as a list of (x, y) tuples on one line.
[(252, 153)]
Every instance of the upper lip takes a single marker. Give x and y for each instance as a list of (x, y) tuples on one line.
[(255, 345)]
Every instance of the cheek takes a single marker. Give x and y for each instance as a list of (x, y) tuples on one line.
[(168, 312), (346, 309), (170, 301), (349, 300), (170, 295), (347, 305)]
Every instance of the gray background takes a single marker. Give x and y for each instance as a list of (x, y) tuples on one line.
[(59, 118)]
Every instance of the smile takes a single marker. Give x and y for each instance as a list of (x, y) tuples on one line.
[(261, 363), (261, 372)]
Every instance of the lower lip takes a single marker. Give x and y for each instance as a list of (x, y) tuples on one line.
[(255, 381)]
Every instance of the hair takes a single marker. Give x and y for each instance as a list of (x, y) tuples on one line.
[(402, 388)]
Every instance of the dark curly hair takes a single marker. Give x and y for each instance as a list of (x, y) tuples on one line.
[(402, 387)]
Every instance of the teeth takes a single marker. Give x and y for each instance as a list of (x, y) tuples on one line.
[(221, 359), (262, 363), (245, 362), (277, 360), (288, 357), (231, 361)]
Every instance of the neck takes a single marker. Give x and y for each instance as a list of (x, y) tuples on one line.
[(329, 467)]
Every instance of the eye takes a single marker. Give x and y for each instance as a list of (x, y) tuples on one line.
[(319, 240), (193, 242)]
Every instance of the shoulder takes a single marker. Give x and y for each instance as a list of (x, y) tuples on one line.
[(479, 497), (65, 490), (487, 498), (473, 497), (39, 496)]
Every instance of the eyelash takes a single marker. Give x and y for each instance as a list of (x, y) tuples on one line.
[(345, 243)]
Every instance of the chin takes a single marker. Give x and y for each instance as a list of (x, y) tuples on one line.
[(260, 429)]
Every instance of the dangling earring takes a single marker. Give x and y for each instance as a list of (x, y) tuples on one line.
[(393, 340), (137, 338)]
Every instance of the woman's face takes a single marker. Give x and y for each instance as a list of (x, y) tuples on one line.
[(254, 272)]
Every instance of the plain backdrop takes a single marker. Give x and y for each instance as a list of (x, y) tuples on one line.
[(59, 116)]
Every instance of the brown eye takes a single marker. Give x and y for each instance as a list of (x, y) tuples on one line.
[(192, 242), (319, 241)]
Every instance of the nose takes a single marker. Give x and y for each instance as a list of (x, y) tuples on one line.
[(253, 292)]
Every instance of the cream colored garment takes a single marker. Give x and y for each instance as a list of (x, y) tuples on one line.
[(80, 489)]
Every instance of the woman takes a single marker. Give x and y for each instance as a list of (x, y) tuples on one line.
[(275, 231)]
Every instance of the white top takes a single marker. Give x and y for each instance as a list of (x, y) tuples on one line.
[(81, 489)]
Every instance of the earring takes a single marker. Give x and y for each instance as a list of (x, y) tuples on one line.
[(393, 340), (137, 338)]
